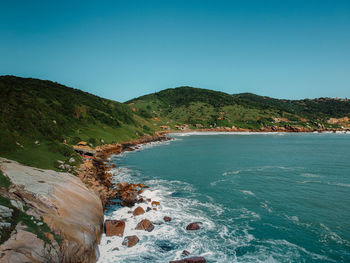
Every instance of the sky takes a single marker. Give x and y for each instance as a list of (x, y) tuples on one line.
[(124, 49)]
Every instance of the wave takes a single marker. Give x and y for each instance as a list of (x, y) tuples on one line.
[(310, 175), (167, 240), (247, 192)]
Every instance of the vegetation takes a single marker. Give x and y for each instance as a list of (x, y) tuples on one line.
[(40, 120), (187, 105), (37, 117)]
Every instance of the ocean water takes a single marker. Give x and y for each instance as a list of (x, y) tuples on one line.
[(259, 197)]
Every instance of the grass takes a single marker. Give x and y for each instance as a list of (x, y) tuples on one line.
[(36, 110), (4, 181)]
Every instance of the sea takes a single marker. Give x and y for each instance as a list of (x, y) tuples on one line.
[(258, 197)]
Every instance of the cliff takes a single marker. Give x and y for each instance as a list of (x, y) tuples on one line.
[(56, 218)]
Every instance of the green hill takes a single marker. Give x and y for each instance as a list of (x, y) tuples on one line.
[(40, 119), (187, 105), (48, 113)]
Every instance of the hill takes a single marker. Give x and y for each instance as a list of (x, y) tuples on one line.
[(40, 119), (187, 105), (37, 116)]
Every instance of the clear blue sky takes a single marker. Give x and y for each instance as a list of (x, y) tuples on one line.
[(123, 49)]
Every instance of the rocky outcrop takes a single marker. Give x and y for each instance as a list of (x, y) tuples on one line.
[(94, 172), (73, 213)]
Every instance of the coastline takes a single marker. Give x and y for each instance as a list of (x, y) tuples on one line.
[(100, 166)]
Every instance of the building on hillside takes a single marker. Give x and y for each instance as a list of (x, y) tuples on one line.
[(164, 127), (181, 127)]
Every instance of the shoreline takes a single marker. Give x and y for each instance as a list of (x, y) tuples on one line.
[(131, 194)]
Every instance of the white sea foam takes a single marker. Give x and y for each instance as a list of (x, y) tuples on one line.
[(247, 192), (172, 235), (310, 175), (339, 184)]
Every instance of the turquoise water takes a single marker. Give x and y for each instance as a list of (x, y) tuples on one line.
[(260, 197)]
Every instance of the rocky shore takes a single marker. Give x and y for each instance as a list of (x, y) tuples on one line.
[(58, 217), (129, 195)]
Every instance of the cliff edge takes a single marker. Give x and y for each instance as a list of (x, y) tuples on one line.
[(55, 217)]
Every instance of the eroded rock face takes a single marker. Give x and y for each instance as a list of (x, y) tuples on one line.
[(114, 227), (66, 205), (146, 225), (190, 260), (130, 241)]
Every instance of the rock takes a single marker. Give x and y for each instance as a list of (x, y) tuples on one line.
[(155, 209), (60, 162), (148, 209), (155, 203), (102, 141), (17, 204), (5, 212), (140, 192), (114, 228), (37, 142), (190, 260), (193, 226), (138, 211), (128, 198), (130, 241), (167, 218), (71, 160), (185, 253), (66, 206), (146, 225), (115, 249)]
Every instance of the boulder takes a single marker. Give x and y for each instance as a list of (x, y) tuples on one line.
[(193, 226), (190, 260), (185, 253), (138, 211), (148, 209), (128, 198), (155, 203), (114, 228), (130, 241), (146, 225), (167, 218)]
